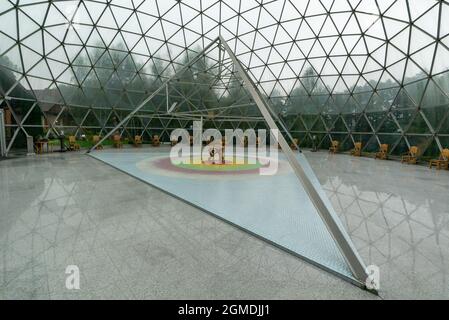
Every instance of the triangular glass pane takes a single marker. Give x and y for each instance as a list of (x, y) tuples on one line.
[(298, 125), (443, 126), (416, 90), (403, 101), (339, 126), (370, 144), (375, 118), (388, 124), (102, 115), (432, 151), (362, 125), (444, 140), (434, 97), (418, 125), (91, 121), (319, 125), (399, 148), (67, 119), (309, 120), (78, 114), (113, 120)]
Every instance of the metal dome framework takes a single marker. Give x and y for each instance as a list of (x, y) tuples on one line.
[(348, 70)]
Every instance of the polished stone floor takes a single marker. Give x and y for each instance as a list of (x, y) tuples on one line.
[(286, 217), (130, 240)]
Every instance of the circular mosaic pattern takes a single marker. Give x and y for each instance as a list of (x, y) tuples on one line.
[(230, 166), (246, 167)]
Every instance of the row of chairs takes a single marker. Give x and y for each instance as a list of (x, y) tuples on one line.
[(156, 142), (116, 139), (410, 157), (357, 151), (117, 142), (137, 142)]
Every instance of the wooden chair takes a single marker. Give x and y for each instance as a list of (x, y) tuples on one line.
[(442, 161), (383, 152), (357, 151), (73, 146), (39, 147), (117, 141), (137, 141), (295, 144), (411, 157), (156, 141), (334, 146), (95, 140)]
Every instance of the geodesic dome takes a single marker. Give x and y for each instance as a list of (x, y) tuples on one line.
[(349, 70)]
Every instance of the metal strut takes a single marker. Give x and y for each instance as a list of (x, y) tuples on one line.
[(344, 244)]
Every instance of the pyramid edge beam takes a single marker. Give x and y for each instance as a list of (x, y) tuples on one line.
[(343, 243), (3, 152)]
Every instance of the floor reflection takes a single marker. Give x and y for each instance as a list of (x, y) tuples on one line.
[(60, 209), (398, 217)]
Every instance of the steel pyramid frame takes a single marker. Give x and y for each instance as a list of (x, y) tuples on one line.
[(233, 65)]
